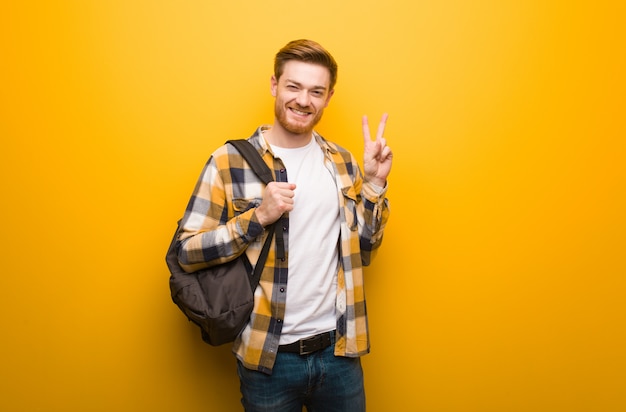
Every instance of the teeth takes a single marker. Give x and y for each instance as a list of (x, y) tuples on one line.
[(299, 112)]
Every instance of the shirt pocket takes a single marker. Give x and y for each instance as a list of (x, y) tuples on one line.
[(350, 199), (241, 205)]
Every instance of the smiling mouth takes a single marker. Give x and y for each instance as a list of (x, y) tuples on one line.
[(299, 112)]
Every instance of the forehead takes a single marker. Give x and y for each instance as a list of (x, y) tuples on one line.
[(307, 74)]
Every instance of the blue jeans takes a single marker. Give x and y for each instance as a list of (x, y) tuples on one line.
[(320, 381)]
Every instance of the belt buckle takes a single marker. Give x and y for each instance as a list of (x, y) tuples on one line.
[(314, 347)]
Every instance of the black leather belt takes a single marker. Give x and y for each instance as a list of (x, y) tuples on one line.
[(308, 345)]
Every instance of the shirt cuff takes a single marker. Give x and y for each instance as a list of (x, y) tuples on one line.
[(372, 190)]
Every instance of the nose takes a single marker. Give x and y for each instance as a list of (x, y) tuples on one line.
[(303, 99)]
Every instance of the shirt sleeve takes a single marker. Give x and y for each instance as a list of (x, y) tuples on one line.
[(372, 214), (215, 229), (379, 190)]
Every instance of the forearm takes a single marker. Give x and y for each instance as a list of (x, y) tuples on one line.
[(201, 247), (373, 212)]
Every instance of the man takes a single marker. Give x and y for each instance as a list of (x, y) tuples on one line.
[(309, 324)]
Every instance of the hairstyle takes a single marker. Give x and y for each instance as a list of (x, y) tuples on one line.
[(306, 51)]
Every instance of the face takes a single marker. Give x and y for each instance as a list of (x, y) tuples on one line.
[(301, 93)]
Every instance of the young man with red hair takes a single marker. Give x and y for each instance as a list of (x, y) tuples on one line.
[(308, 327)]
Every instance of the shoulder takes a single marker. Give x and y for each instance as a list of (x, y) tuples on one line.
[(338, 153), (227, 156), (332, 147)]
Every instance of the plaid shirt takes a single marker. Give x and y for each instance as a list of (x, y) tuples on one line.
[(220, 224)]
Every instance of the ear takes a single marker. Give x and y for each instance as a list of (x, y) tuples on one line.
[(330, 94), (273, 85)]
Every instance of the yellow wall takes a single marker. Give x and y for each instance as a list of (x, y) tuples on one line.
[(500, 285)]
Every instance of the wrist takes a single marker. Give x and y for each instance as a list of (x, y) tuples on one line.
[(376, 182), (259, 217)]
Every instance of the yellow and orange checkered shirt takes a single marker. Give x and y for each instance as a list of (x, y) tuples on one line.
[(220, 224)]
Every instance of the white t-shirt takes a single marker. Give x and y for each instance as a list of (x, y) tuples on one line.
[(313, 244)]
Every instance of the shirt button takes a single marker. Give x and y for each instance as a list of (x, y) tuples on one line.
[(282, 290), (279, 321), (282, 170), (282, 259)]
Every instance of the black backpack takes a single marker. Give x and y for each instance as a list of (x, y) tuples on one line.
[(220, 299)]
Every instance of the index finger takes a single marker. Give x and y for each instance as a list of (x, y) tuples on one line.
[(366, 130)]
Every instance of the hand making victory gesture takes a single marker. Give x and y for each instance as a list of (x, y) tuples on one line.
[(376, 155)]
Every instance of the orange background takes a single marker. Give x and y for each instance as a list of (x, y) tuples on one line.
[(500, 284)]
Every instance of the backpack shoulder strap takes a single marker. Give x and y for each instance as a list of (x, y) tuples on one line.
[(253, 158), (264, 173)]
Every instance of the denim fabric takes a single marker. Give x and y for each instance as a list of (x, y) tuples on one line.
[(320, 381)]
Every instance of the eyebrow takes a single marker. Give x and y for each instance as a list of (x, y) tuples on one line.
[(301, 85)]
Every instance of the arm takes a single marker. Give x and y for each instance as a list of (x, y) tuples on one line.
[(215, 229), (372, 215), (373, 210)]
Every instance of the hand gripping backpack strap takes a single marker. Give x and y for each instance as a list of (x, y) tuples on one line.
[(251, 155), (260, 168)]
